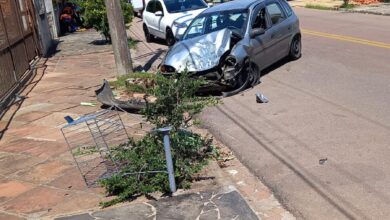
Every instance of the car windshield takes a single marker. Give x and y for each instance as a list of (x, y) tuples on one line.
[(235, 20), (175, 6)]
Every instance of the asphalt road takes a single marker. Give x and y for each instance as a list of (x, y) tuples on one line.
[(332, 104)]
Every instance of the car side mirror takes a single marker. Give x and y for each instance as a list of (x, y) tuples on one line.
[(158, 13), (256, 32)]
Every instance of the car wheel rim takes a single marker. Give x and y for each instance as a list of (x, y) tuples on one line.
[(296, 47), (170, 38)]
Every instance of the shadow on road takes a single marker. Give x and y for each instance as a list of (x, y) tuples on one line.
[(149, 62)]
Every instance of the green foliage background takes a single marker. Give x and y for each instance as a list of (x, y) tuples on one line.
[(94, 15)]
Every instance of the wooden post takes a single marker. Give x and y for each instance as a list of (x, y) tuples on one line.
[(119, 37)]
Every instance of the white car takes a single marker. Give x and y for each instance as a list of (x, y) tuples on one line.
[(138, 6), (168, 19)]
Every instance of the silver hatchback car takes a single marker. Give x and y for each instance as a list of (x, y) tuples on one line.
[(233, 42)]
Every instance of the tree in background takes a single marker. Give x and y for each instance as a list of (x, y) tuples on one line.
[(95, 15)]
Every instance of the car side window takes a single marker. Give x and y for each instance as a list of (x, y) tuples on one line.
[(286, 7), (150, 7), (158, 7), (260, 20), (275, 12)]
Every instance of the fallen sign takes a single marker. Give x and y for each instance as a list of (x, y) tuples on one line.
[(105, 96)]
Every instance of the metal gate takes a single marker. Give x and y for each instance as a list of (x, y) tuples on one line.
[(18, 43)]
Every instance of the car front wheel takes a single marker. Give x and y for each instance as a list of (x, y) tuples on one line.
[(170, 38), (296, 48)]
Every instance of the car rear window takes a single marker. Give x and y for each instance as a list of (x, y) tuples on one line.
[(275, 12), (286, 7)]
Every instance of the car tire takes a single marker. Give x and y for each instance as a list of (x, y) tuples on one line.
[(255, 75), (296, 48), (148, 36), (241, 81), (170, 39)]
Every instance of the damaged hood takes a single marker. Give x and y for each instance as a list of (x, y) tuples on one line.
[(199, 53)]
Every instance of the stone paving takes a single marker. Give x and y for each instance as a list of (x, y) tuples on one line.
[(224, 203), (38, 177)]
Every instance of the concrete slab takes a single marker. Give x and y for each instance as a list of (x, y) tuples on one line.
[(4, 216), (10, 189), (223, 203)]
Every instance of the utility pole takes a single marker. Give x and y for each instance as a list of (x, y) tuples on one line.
[(119, 37)]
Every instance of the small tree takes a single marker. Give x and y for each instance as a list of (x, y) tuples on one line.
[(175, 105), (176, 102), (95, 15)]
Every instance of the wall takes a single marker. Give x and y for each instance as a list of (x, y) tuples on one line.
[(53, 15), (44, 33)]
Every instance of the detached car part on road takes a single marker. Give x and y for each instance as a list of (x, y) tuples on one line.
[(232, 42)]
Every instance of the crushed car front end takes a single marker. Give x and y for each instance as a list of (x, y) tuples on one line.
[(219, 55)]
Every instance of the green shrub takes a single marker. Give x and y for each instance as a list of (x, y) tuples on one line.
[(176, 102), (317, 6), (175, 105), (190, 153), (347, 6), (95, 15)]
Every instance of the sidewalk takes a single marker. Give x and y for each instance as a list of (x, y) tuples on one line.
[(39, 179), (377, 9)]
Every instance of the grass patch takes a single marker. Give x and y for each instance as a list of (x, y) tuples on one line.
[(81, 151), (124, 82), (135, 88), (347, 6), (132, 43), (319, 7)]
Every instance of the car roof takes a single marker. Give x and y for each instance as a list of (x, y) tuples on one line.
[(232, 5)]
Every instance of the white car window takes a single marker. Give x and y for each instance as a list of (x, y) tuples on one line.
[(150, 7), (159, 7)]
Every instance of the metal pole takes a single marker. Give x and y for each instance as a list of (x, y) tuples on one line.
[(168, 158)]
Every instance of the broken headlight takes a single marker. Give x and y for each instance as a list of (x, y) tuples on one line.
[(229, 67), (167, 69)]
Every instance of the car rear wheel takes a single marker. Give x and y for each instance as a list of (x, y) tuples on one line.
[(296, 48), (148, 36), (169, 37)]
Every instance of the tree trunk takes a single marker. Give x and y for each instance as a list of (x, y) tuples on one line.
[(119, 37)]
